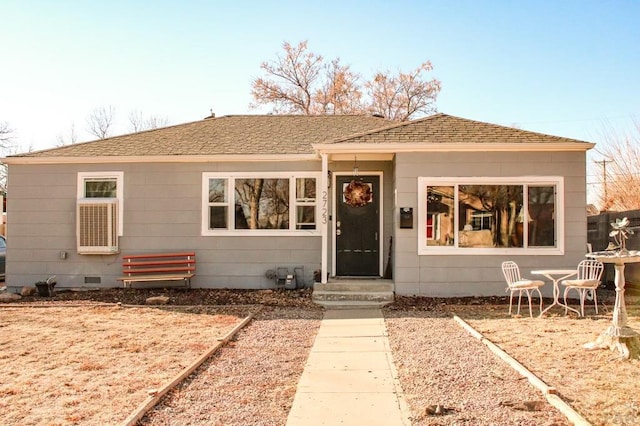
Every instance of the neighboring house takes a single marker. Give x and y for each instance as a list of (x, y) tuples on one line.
[(250, 194)]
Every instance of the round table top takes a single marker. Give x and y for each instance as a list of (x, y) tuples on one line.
[(553, 271), (632, 256)]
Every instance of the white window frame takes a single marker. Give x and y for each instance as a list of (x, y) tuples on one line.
[(304, 202), (293, 203), (526, 181), (119, 177)]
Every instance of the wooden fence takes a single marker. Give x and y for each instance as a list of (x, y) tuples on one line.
[(598, 228)]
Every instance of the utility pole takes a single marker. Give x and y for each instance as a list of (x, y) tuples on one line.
[(604, 163)]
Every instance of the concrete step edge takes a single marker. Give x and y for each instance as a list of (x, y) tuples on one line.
[(351, 304)]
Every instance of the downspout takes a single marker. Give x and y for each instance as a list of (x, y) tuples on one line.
[(324, 217)]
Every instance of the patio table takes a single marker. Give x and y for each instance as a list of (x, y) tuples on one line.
[(556, 275)]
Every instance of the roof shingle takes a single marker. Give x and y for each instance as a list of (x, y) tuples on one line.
[(295, 134), (442, 128), (234, 134)]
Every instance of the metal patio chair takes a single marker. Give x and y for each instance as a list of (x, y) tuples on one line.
[(515, 283), (585, 283)]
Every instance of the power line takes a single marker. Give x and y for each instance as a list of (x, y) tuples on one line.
[(604, 162)]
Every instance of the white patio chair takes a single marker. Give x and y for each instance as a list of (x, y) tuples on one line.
[(585, 283), (516, 283)]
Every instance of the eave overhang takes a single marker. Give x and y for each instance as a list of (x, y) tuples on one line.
[(220, 158), (336, 151), (393, 148)]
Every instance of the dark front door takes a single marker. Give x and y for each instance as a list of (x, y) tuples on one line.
[(358, 226)]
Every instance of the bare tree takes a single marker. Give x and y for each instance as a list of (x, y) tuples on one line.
[(61, 140), (402, 96), (100, 121), (620, 169), (290, 80), (5, 135), (138, 122), (340, 92), (300, 83), (250, 191)]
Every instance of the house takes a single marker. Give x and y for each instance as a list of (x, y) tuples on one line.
[(437, 203)]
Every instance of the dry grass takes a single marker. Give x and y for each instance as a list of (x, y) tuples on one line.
[(94, 365), (602, 388)]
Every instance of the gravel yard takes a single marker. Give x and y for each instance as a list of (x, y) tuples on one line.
[(252, 380), (439, 363)]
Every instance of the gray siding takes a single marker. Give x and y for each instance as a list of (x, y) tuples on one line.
[(162, 212), (480, 275)]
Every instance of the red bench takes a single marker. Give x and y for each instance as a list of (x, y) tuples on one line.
[(158, 267)]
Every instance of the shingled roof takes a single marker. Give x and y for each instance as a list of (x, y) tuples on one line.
[(300, 134), (233, 135), (442, 128)]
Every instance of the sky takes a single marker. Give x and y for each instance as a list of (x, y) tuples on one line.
[(562, 67)]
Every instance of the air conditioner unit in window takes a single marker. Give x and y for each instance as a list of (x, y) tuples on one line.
[(97, 226)]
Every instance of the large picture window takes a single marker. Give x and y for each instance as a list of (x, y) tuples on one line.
[(490, 215), (262, 204)]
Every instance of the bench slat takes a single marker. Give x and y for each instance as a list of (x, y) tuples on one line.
[(158, 270), (158, 267), (158, 255), (159, 262), (156, 278)]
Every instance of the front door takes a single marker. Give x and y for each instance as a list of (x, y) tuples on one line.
[(357, 225)]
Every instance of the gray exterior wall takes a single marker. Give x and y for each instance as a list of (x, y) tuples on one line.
[(162, 212), (481, 275)]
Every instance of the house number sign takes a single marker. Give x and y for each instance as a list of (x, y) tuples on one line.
[(325, 209)]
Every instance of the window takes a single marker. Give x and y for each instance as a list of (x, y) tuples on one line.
[(306, 203), (96, 185), (488, 215), (100, 188), (260, 204)]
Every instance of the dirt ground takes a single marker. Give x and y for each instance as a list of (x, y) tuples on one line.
[(183, 297), (596, 383), (604, 390), (94, 365)]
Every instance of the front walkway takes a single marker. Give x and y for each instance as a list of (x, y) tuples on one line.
[(350, 378)]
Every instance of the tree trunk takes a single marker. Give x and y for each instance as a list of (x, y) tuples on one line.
[(254, 203)]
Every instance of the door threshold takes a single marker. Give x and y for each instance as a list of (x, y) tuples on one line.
[(356, 277)]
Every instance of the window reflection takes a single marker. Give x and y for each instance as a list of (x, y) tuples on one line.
[(491, 216), (262, 203), (488, 215), (440, 211), (542, 230), (100, 188)]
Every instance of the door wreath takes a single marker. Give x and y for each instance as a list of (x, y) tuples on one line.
[(357, 193)]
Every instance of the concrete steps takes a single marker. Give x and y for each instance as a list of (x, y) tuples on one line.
[(354, 293)]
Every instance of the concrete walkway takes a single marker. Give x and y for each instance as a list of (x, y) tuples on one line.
[(350, 378)]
